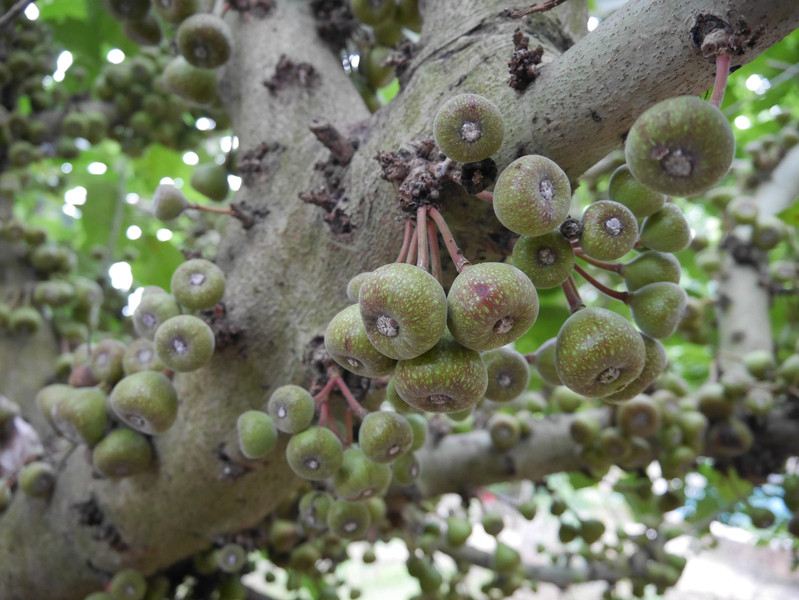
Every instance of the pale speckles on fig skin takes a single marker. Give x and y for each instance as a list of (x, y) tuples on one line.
[(666, 230), (184, 343), (410, 296), (654, 364), (508, 374), (532, 196), (347, 343), (546, 259), (468, 128), (680, 146), (447, 370), (481, 296), (610, 230), (145, 401), (658, 307), (591, 341)]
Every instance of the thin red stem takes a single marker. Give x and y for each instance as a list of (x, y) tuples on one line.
[(326, 420), (406, 241), (623, 296), (211, 209), (351, 401), (455, 253), (423, 260), (486, 196), (530, 358), (411, 258), (607, 266), (325, 391), (572, 295), (435, 255), (720, 85)]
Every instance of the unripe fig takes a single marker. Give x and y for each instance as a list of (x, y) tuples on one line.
[(347, 343), (378, 72), (53, 293), (406, 469), (373, 12), (640, 416), (231, 558), (729, 438), (613, 445), (584, 428), (257, 434), (349, 520), (490, 305), (127, 584), (315, 453), (468, 128), (198, 284), (359, 478), (760, 363), (419, 427), (528, 509), (768, 232), (649, 267), (122, 453), (532, 196), (106, 360), (291, 408), (205, 40), (133, 10), (174, 11), (140, 355), (743, 210), (155, 308), (610, 230), (404, 310), (8, 411), (385, 436), (396, 402), (505, 559), (37, 479), (654, 363), (680, 146), (598, 352), (190, 83), (657, 308), (458, 531), (493, 523), (184, 343), (447, 378), (504, 430), (168, 202), (640, 199), (25, 320), (313, 509), (146, 32), (48, 398), (566, 400), (545, 362), (666, 230), (508, 374), (354, 286), (546, 259), (81, 415), (210, 179)]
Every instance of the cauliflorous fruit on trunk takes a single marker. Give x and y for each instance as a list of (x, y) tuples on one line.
[(546, 259), (122, 453), (81, 415), (666, 230), (490, 305), (349, 520), (347, 343), (291, 408), (610, 230), (404, 310), (184, 343), (385, 436), (313, 509), (508, 374), (649, 267), (406, 469), (315, 453), (448, 378), (189, 82), (106, 360), (257, 434), (504, 430), (598, 352), (680, 146), (640, 416), (532, 196), (140, 355), (640, 199), (156, 306), (468, 128), (205, 40), (658, 307), (198, 284), (37, 479)]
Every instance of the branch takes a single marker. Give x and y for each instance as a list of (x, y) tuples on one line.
[(12, 13), (544, 6)]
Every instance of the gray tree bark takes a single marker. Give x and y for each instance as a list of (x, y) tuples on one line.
[(287, 275)]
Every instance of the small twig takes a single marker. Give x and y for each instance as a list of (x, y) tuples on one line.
[(572, 295), (325, 391), (411, 258), (211, 209), (435, 255), (406, 241), (486, 196), (423, 260), (338, 145), (12, 13), (351, 401), (623, 296), (544, 6), (455, 253), (720, 85), (607, 266)]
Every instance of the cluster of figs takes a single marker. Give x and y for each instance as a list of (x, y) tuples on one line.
[(402, 323)]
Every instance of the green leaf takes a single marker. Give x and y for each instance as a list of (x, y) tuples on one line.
[(157, 262), (790, 216)]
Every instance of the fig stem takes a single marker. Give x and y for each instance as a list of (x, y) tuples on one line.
[(406, 241), (486, 196), (623, 296), (351, 401), (572, 295), (423, 260), (455, 253), (531, 358), (435, 255), (607, 266), (411, 258), (326, 420), (211, 209), (720, 85), (325, 391)]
